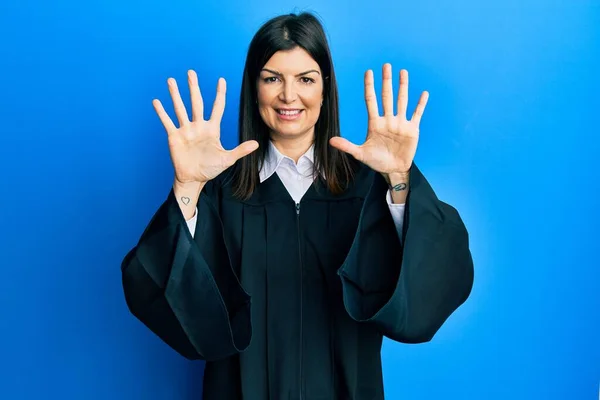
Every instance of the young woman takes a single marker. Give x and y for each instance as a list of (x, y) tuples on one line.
[(284, 262)]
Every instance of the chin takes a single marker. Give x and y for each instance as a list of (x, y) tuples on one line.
[(293, 128), (290, 131)]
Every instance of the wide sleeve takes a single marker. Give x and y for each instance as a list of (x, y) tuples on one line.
[(407, 290), (184, 289)]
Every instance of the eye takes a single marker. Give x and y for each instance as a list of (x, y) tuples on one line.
[(270, 79), (307, 80)]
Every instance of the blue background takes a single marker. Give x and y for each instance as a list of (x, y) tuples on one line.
[(509, 137)]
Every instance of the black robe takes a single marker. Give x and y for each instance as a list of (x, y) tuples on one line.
[(291, 301)]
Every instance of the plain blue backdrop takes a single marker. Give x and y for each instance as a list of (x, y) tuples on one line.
[(509, 137)]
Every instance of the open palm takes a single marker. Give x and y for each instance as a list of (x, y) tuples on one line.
[(391, 141), (195, 147)]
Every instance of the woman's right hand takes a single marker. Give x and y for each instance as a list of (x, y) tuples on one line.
[(195, 147)]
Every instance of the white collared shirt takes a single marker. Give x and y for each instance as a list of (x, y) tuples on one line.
[(297, 178)]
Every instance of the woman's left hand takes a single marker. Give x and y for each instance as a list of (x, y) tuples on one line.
[(392, 140)]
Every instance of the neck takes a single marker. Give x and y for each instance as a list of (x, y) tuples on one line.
[(293, 147)]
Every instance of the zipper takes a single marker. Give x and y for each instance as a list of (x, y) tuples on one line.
[(301, 301)]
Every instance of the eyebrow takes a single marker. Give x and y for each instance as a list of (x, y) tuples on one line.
[(300, 74)]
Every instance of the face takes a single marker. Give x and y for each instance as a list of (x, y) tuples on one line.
[(290, 93)]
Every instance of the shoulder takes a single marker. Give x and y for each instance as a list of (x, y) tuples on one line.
[(363, 178), (356, 184), (213, 189)]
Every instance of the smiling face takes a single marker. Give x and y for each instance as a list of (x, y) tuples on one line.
[(290, 93)]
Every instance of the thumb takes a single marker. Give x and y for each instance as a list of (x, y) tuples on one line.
[(241, 151), (347, 147)]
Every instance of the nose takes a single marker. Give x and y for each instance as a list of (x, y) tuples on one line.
[(288, 93)]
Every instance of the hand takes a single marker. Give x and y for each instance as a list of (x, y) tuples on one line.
[(195, 147), (391, 141)]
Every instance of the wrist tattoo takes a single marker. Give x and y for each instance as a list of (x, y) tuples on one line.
[(185, 200), (399, 187)]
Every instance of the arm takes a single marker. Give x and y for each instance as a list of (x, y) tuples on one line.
[(397, 212), (184, 290), (407, 291), (191, 223), (187, 196)]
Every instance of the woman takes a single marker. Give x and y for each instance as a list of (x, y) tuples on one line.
[(284, 261)]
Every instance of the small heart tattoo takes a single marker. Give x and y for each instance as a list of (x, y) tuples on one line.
[(186, 200)]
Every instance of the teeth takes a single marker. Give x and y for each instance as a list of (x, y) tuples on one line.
[(294, 112)]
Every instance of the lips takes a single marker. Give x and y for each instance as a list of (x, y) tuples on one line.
[(289, 112)]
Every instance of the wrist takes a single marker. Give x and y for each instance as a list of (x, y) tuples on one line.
[(187, 191), (187, 186), (397, 178), (187, 195)]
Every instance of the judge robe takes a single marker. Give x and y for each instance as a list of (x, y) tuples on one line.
[(291, 301)]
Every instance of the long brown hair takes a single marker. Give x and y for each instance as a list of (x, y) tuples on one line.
[(287, 32)]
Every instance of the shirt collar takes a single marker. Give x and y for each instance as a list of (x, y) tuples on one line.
[(274, 159)]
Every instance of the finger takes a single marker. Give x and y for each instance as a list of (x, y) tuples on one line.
[(420, 108), (387, 96), (403, 93), (219, 104), (180, 111), (347, 147), (370, 97), (164, 117), (241, 151), (196, 96)]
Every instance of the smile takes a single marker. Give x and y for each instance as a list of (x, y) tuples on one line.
[(289, 114)]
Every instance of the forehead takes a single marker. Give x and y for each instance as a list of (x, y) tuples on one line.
[(292, 61)]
